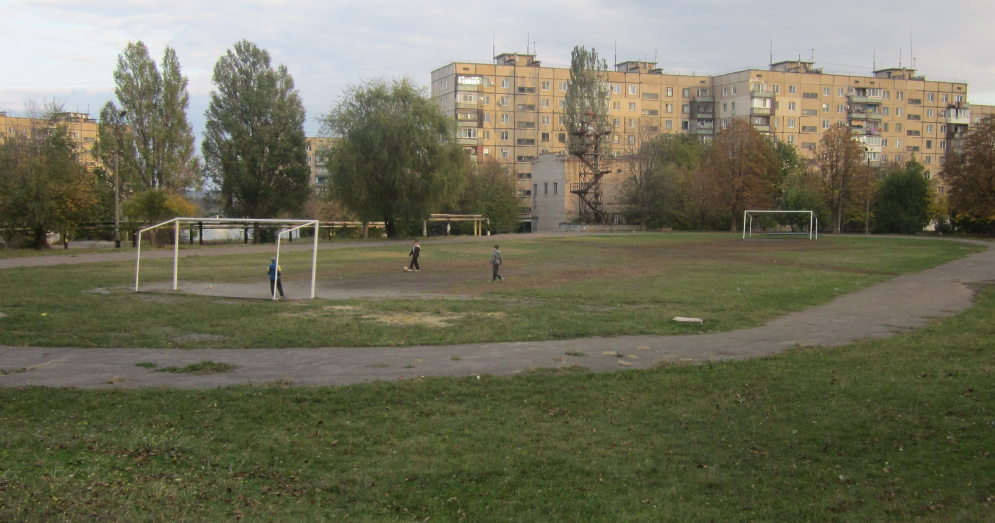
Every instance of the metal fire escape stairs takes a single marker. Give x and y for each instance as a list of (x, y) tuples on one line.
[(587, 147)]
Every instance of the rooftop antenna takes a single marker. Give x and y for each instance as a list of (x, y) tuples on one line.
[(528, 38), (911, 55), (874, 65), (654, 57), (813, 56), (771, 62), (616, 52), (899, 58), (493, 48)]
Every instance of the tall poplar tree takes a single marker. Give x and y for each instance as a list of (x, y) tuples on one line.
[(254, 143), (158, 145)]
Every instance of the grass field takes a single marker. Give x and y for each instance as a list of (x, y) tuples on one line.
[(556, 288), (892, 430)]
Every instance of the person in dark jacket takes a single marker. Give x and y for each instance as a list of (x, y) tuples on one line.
[(415, 252), (496, 262), (274, 277)]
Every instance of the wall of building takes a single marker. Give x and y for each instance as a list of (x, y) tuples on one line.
[(82, 128)]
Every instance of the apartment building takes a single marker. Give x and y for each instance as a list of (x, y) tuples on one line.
[(317, 155), (83, 130), (514, 109)]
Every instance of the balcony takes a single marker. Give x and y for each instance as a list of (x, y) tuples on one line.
[(861, 115), (762, 128), (854, 99), (760, 111), (704, 99), (958, 117), (761, 94)]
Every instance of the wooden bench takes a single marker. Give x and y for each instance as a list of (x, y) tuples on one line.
[(787, 234)]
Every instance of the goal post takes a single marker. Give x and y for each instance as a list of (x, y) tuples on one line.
[(813, 221), (285, 227)]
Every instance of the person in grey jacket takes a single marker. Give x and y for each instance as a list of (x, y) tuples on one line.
[(496, 264)]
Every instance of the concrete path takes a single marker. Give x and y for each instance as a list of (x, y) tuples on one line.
[(900, 304)]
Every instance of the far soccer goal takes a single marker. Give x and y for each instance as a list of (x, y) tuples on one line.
[(813, 224), (284, 226)]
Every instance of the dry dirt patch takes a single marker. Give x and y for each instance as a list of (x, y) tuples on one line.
[(407, 319)]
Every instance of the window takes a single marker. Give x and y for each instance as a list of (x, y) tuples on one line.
[(943, 129), (791, 106), (929, 113), (555, 187), (505, 118), (808, 145), (685, 125), (826, 91), (900, 95), (915, 101), (929, 128), (944, 98), (617, 88), (505, 153), (545, 119), (898, 143), (561, 137), (943, 144), (792, 89), (670, 91), (733, 107), (504, 101), (884, 142), (840, 108), (487, 152), (898, 127), (825, 124), (487, 135), (839, 92), (669, 108), (650, 112), (651, 96), (563, 86), (505, 83), (810, 112), (931, 97), (308, 159), (616, 106), (734, 90), (545, 188), (825, 108), (886, 111), (615, 138), (308, 145), (885, 127), (777, 89), (616, 122), (929, 159), (959, 98), (791, 138), (632, 89), (631, 139), (929, 144), (776, 121), (468, 133), (560, 120), (725, 91), (809, 129), (633, 123), (526, 107), (668, 124), (810, 95), (912, 132), (544, 102), (632, 106), (544, 85), (563, 103), (725, 107), (791, 123), (485, 100), (686, 109), (504, 136), (545, 137), (526, 125), (686, 92), (467, 98), (535, 190), (898, 111)]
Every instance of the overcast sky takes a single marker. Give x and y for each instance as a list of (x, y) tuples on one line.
[(67, 50)]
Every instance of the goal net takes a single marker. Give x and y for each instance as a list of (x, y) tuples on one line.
[(813, 222), (284, 227)]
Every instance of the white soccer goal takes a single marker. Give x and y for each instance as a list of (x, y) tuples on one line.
[(813, 222), (285, 226)]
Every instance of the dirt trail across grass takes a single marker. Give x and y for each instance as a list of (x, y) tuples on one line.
[(903, 303)]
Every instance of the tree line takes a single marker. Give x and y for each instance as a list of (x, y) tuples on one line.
[(398, 159), (678, 181)]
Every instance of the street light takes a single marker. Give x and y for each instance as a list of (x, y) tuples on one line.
[(117, 183)]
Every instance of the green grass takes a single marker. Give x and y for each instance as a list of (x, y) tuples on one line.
[(898, 430), (557, 288), (201, 369)]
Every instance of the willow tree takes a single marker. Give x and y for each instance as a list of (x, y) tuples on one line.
[(398, 159)]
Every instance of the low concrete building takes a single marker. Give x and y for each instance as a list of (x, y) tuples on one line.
[(553, 174)]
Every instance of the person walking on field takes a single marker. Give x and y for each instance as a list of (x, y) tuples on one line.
[(274, 277), (415, 252), (496, 264)]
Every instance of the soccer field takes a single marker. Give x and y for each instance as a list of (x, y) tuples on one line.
[(555, 288)]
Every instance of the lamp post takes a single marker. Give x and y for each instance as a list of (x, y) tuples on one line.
[(117, 183)]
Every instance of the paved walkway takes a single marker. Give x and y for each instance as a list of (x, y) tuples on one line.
[(903, 303)]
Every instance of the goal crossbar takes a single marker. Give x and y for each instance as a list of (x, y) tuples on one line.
[(813, 222), (285, 226)]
